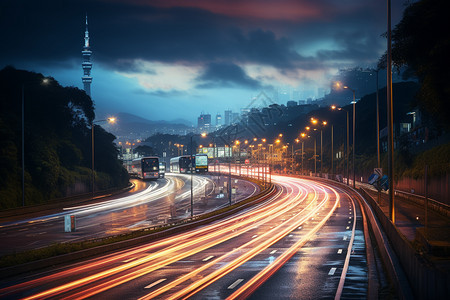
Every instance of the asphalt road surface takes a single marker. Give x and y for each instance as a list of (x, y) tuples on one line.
[(151, 203), (306, 242)]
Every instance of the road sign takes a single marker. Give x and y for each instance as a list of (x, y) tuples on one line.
[(379, 172), (384, 182), (373, 178)]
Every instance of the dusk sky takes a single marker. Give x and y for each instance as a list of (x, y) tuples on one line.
[(168, 59)]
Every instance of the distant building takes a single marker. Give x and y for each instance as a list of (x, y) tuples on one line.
[(218, 120), (234, 118), (228, 116), (204, 122), (87, 65), (291, 103)]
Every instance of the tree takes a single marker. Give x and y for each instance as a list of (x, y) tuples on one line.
[(57, 140), (422, 43)]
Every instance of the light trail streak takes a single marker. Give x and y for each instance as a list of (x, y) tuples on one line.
[(249, 287), (347, 258), (256, 246), (178, 247)]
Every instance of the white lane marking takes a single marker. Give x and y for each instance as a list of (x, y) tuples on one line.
[(339, 251), (349, 222), (254, 236), (208, 258), (235, 284), (345, 238), (300, 227), (273, 251), (347, 260), (332, 270), (348, 227), (349, 217), (155, 283)]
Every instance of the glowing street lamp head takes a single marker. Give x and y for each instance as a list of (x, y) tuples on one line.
[(246, 142), (302, 134), (237, 142), (203, 134), (307, 128), (280, 135), (264, 140), (277, 141), (333, 107), (314, 121), (111, 120), (297, 140), (324, 123), (255, 139), (337, 85)]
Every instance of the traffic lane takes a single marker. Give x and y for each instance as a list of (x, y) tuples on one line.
[(219, 256), (109, 218), (290, 243), (73, 272), (316, 270), (133, 269), (44, 230)]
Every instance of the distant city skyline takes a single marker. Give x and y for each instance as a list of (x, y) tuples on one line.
[(172, 59)]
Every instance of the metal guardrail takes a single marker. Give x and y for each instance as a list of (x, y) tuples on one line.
[(434, 205)]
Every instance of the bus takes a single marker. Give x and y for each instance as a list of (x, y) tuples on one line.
[(146, 167), (180, 164), (201, 163)]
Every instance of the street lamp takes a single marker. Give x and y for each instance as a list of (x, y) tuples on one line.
[(303, 136), (44, 81), (354, 124), (321, 124), (110, 120), (334, 107), (192, 171)]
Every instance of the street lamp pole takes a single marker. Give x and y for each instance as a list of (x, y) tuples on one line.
[(192, 171), (23, 146), (354, 125), (390, 117), (109, 120), (192, 189), (332, 151), (347, 148), (44, 81)]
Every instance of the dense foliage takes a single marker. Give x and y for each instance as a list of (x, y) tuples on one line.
[(57, 141), (421, 42)]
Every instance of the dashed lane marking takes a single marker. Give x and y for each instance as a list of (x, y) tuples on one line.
[(208, 258), (155, 283), (235, 284)]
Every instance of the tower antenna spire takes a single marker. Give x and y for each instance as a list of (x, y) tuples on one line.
[(87, 65)]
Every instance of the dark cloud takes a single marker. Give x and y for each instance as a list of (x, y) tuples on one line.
[(225, 75), (50, 31)]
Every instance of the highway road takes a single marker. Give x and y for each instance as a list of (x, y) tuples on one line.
[(151, 203), (304, 242)]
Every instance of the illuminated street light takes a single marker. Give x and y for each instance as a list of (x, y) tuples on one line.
[(192, 171), (44, 81), (354, 126), (334, 107), (110, 120)]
